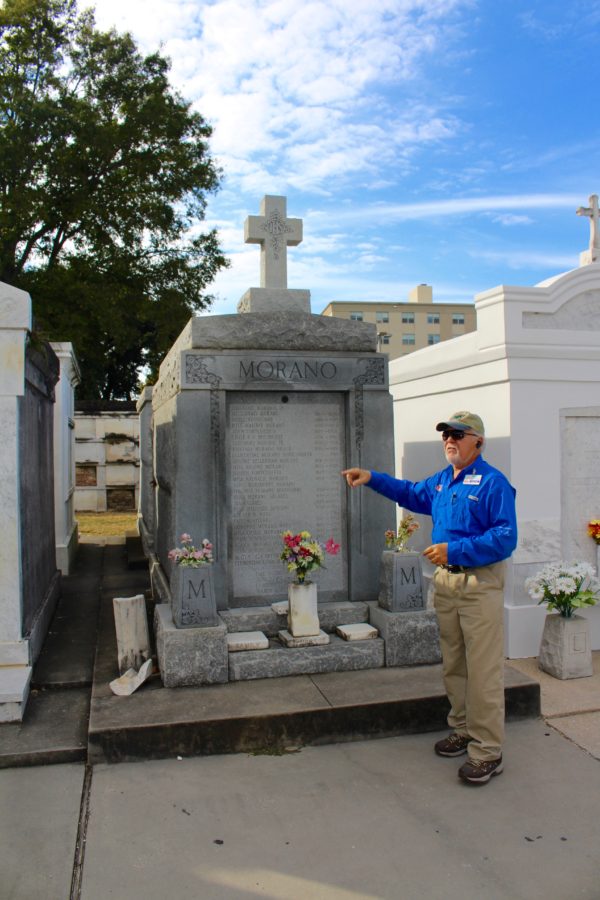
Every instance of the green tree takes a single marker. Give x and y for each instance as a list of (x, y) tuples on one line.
[(104, 175)]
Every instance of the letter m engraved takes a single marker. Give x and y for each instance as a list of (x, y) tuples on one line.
[(199, 592), (408, 579)]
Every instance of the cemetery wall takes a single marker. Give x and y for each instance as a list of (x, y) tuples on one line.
[(533, 358), (107, 458)]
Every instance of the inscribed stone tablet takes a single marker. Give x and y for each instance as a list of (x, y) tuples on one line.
[(580, 489), (286, 452)]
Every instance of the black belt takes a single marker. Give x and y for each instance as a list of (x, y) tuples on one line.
[(454, 570)]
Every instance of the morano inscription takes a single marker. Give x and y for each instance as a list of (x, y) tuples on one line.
[(287, 370)]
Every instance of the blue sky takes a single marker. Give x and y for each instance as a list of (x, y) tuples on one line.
[(444, 141)]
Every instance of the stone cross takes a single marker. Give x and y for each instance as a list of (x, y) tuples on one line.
[(273, 231), (592, 213)]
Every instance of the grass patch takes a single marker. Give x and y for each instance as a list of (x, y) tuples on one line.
[(106, 523)]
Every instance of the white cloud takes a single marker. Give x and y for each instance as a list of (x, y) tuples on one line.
[(528, 259), (379, 213), (295, 92), (512, 219)]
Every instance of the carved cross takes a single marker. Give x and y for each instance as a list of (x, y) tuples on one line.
[(273, 231), (592, 212)]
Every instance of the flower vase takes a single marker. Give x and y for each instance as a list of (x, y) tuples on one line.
[(303, 617), (193, 596), (565, 649), (401, 581)]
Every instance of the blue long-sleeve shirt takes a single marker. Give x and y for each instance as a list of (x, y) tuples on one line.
[(473, 513)]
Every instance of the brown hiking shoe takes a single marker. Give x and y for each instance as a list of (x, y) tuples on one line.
[(479, 771), (454, 745)]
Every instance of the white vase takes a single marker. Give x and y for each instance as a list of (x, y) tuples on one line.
[(565, 650), (303, 617)]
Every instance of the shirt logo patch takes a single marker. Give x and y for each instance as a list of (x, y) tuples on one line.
[(438, 487), (472, 479), (473, 497)]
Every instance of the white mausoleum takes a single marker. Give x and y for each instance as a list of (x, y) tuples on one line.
[(531, 370)]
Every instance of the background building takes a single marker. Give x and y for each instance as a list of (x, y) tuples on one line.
[(412, 324)]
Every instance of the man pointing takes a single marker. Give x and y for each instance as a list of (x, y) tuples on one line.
[(472, 506)]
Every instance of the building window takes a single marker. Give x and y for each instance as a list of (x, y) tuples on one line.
[(384, 338), (356, 316), (433, 319), (85, 475), (408, 339), (458, 320), (408, 318), (382, 317), (433, 338)]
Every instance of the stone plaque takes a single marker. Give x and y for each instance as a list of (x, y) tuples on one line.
[(580, 482), (286, 452)]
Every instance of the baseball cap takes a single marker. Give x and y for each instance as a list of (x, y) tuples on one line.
[(463, 421)]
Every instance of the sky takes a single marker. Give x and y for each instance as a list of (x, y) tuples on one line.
[(446, 142)]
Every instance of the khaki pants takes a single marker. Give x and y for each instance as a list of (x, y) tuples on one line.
[(470, 612)]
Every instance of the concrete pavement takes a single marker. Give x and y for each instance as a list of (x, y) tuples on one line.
[(372, 819)]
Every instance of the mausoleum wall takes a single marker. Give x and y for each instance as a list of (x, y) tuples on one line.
[(533, 358), (29, 579)]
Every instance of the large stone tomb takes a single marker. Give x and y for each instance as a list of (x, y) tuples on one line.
[(254, 417)]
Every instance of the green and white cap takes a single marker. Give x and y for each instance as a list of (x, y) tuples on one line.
[(463, 421)]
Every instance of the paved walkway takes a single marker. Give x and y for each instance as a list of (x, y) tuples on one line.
[(371, 819)]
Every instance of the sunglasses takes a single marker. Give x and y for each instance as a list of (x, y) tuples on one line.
[(455, 434)]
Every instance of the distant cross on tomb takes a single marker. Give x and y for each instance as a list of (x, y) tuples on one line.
[(592, 212), (273, 231)]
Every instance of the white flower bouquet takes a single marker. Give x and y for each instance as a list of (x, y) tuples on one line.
[(564, 587)]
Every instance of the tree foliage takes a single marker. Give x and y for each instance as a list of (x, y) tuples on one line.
[(104, 175)]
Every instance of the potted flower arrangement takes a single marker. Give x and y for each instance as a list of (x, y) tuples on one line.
[(303, 554), (398, 540), (594, 530), (188, 555), (401, 578), (565, 650), (192, 588)]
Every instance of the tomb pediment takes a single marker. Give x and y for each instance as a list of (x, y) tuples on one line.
[(580, 313)]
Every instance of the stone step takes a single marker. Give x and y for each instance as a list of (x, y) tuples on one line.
[(136, 558), (278, 661), (265, 619)]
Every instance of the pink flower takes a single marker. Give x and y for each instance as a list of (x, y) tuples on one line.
[(331, 547), (185, 538)]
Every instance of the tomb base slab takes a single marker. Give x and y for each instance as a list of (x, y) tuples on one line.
[(411, 638), (276, 662), (271, 619), (189, 656)]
